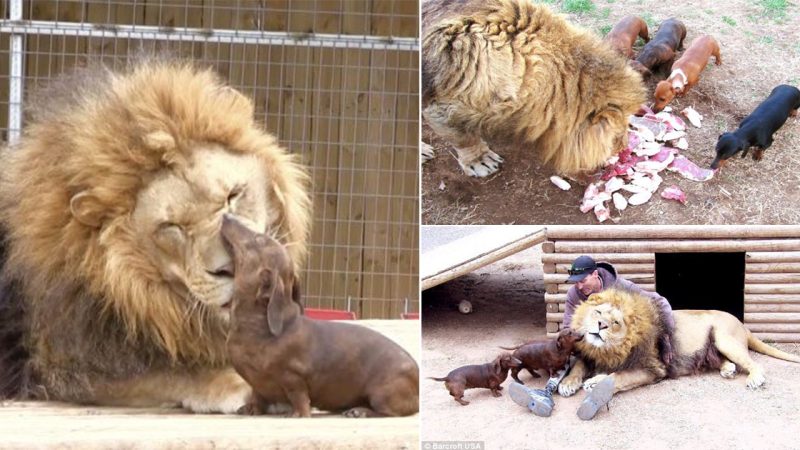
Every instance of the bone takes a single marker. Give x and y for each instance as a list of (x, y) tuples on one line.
[(694, 117), (690, 170), (561, 183), (640, 198), (674, 193), (619, 201), (601, 212)]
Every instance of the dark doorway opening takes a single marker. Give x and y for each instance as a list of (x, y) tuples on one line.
[(702, 281)]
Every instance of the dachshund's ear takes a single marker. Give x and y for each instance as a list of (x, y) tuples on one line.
[(496, 365), (296, 297), (280, 308)]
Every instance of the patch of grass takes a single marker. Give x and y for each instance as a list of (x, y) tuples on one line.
[(729, 21), (774, 8), (604, 30), (767, 39), (604, 13), (650, 21), (549, 2), (710, 12), (610, 1), (578, 6)]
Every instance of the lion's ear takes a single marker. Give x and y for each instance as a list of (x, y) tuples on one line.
[(87, 208)]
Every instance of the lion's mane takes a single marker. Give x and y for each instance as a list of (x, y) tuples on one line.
[(86, 292), (638, 348)]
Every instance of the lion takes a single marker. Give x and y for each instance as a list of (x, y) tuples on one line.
[(620, 347), (513, 72), (116, 285)]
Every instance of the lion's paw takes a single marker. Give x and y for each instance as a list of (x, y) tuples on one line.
[(484, 165), (589, 384), (569, 386), (727, 369), (426, 152), (756, 379)]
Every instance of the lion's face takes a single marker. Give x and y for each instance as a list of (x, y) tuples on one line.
[(178, 215), (603, 325)]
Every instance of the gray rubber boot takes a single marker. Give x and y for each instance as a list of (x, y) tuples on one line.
[(538, 401), (596, 399)]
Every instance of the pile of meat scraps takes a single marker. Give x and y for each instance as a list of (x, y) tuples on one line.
[(632, 177)]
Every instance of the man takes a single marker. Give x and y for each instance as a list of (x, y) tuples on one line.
[(590, 277)]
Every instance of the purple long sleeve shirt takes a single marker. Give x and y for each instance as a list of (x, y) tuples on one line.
[(608, 274)]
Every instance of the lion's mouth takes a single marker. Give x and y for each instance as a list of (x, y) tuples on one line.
[(597, 335)]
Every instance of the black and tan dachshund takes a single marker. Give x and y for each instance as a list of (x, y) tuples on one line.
[(756, 130)]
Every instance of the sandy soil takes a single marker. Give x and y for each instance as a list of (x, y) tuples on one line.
[(760, 49), (704, 411)]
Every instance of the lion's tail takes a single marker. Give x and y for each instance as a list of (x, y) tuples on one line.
[(761, 347)]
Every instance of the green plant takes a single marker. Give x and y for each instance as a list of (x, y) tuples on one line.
[(774, 8), (578, 6), (729, 21)]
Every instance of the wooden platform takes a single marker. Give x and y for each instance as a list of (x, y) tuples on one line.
[(452, 259), (31, 425)]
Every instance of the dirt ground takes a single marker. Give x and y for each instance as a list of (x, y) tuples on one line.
[(760, 46), (704, 411)]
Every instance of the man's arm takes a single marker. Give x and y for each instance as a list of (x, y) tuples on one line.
[(572, 302)]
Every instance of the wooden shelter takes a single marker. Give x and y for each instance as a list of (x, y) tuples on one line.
[(751, 271)]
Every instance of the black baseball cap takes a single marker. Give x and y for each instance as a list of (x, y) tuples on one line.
[(581, 267)]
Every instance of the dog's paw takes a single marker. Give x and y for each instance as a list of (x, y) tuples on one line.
[(756, 379), (425, 152), (589, 384), (727, 369), (569, 386), (485, 165), (357, 413)]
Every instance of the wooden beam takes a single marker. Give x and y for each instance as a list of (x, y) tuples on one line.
[(771, 257), (774, 327), (771, 318), (547, 247), (634, 277), (554, 317), (613, 258), (779, 267), (622, 269), (769, 278), (778, 337), (557, 232), (771, 298), (766, 307), (696, 246), (772, 288), (549, 268), (553, 327), (555, 298), (482, 260), (563, 288)]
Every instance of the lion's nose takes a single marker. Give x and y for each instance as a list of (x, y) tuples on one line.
[(601, 326)]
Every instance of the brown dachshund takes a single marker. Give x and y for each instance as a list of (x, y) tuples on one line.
[(624, 34), (551, 355), (686, 70), (288, 358), (661, 49), (490, 376)]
